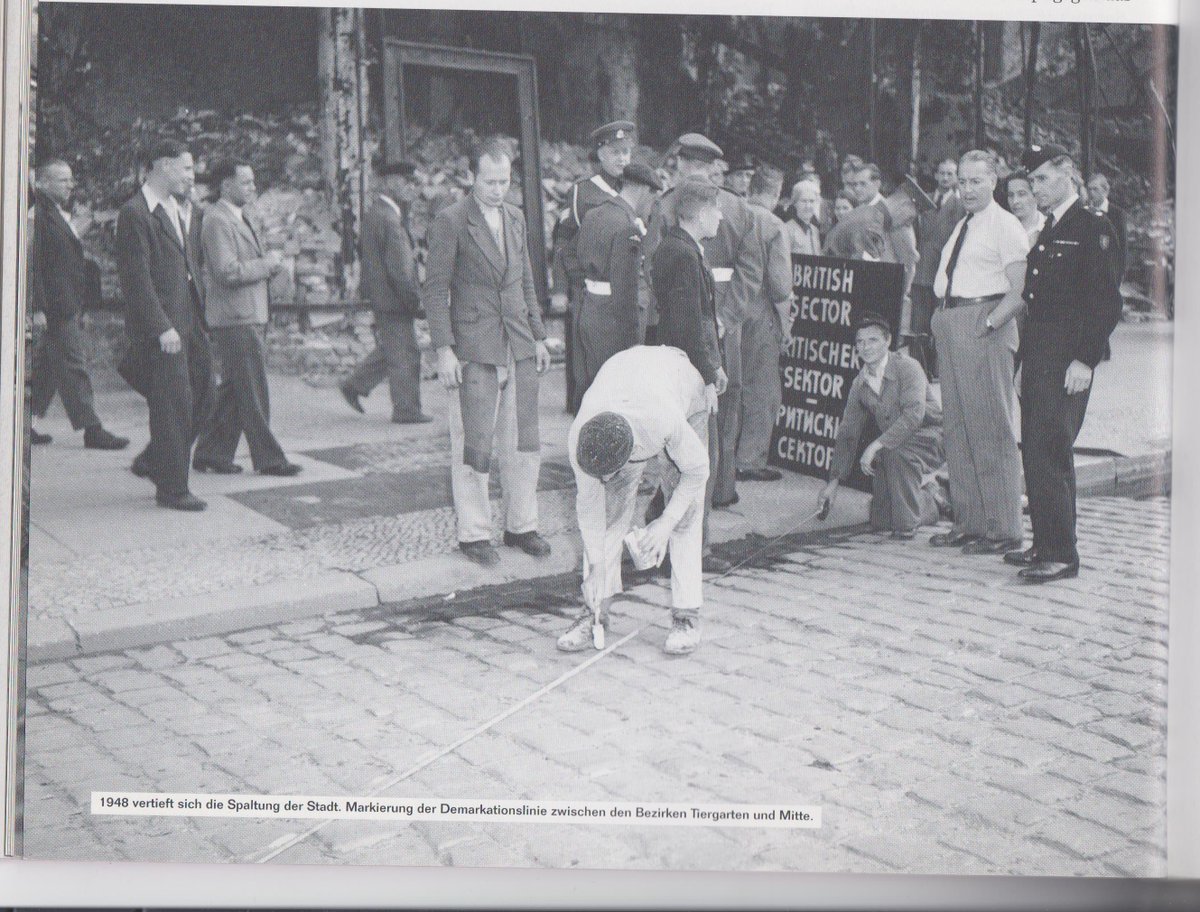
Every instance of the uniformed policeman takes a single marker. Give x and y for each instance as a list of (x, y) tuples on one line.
[(612, 146), (738, 177), (1072, 288), (609, 249)]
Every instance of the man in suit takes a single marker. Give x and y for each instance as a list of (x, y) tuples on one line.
[(1097, 200), (486, 326), (237, 272), (1072, 288), (158, 261), (933, 230), (59, 286), (389, 282), (946, 178)]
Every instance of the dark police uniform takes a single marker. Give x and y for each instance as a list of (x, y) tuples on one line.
[(1072, 287)]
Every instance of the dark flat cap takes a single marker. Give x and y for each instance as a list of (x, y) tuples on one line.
[(403, 167), (637, 173), (613, 132), (742, 163), (870, 318), (1036, 156), (696, 147)]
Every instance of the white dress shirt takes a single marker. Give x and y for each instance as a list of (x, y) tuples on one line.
[(995, 240)]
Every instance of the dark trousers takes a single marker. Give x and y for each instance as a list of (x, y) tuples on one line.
[(1050, 422), (729, 417), (243, 401), (577, 381), (920, 344), (396, 356), (60, 366), (180, 399)]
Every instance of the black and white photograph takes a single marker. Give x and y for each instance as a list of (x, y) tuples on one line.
[(597, 440)]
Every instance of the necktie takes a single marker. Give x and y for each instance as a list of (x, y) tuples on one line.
[(1049, 223), (498, 234), (250, 225), (953, 261)]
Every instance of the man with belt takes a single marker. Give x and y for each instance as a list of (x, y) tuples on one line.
[(485, 324), (612, 149), (979, 280), (1073, 289), (646, 401), (610, 253)]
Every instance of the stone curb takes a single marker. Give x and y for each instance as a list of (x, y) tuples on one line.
[(1108, 476)]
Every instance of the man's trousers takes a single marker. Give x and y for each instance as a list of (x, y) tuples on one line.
[(762, 387), (180, 399), (243, 401), (60, 366), (396, 356), (729, 417), (900, 499), (979, 413)]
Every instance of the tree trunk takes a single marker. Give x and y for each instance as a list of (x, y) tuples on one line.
[(914, 130), (872, 93), (343, 94), (980, 131), (618, 66), (1083, 69), (1031, 62)]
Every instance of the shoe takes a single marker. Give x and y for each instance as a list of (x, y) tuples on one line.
[(759, 475), (1049, 571), (953, 539), (579, 635), (187, 502), (991, 546), (904, 534), (97, 438), (411, 419), (285, 470), (481, 552), (529, 542), (710, 563), (140, 467), (351, 397), (37, 438), (1026, 558), (684, 636), (216, 468), (722, 504)]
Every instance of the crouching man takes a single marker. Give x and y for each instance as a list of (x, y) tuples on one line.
[(645, 401)]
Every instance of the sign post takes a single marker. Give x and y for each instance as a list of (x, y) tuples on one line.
[(819, 362)]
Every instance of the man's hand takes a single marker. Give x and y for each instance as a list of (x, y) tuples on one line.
[(274, 261), (828, 494), (541, 355), (593, 587), (170, 342), (655, 538), (722, 381), (1079, 378), (868, 457), (710, 399), (448, 367)]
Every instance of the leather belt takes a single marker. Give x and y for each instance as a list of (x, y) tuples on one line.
[(951, 303), (600, 289)]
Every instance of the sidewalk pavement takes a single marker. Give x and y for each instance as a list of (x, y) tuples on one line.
[(369, 521)]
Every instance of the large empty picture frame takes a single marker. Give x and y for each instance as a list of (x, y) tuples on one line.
[(398, 54)]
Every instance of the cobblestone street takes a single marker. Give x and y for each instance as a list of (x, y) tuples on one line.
[(945, 717)]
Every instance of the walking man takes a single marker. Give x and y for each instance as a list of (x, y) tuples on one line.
[(237, 273), (59, 286), (979, 280), (1073, 289), (486, 326)]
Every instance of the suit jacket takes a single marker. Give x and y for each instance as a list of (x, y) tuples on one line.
[(154, 267), (61, 279), (687, 306), (389, 263), (933, 231), (480, 300), (236, 274)]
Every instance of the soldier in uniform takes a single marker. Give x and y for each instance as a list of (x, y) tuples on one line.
[(1072, 288), (613, 148), (609, 250)]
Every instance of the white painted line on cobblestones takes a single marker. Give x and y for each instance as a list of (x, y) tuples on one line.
[(281, 845)]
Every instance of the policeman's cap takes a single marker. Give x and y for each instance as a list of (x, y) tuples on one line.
[(1036, 156), (604, 444), (742, 163), (870, 318), (403, 167), (696, 147), (637, 173), (617, 131)]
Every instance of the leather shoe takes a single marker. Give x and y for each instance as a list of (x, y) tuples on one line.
[(37, 438), (97, 438), (903, 534), (187, 501), (722, 504), (759, 475), (991, 546), (710, 563), (351, 397), (952, 539), (284, 470), (1049, 571), (1026, 558), (529, 542), (481, 552), (140, 467), (412, 419), (216, 468)]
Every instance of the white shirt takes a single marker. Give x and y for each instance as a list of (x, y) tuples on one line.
[(67, 218), (1103, 207), (878, 198), (995, 240), (875, 380)]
